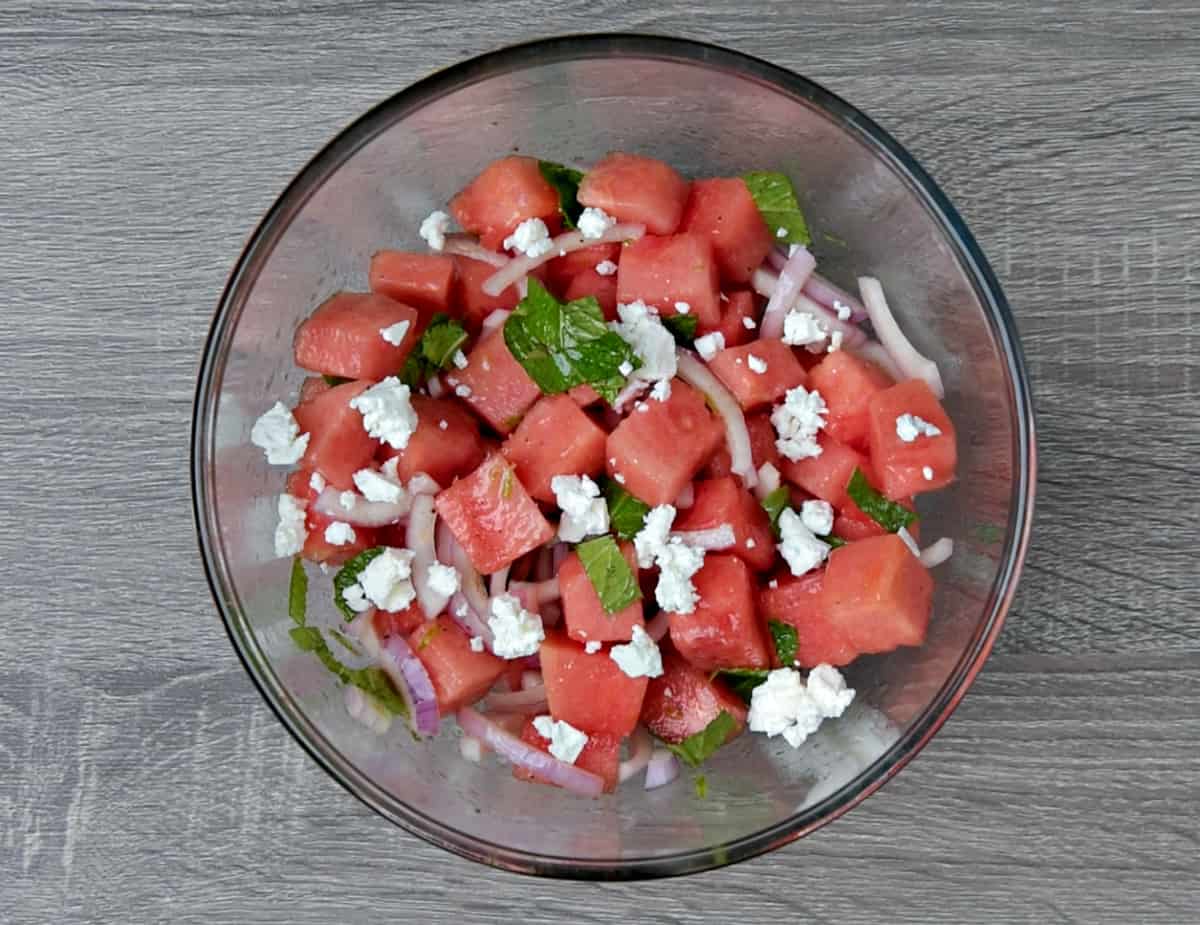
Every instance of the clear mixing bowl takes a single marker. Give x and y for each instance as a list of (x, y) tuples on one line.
[(709, 112)]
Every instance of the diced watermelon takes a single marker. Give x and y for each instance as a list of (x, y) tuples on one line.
[(342, 337), (442, 453), (877, 594), (602, 288), (318, 549), (852, 524), (826, 476), (726, 501), (554, 438), (661, 271), (683, 700), (586, 619), (338, 445), (632, 188), (299, 485), (724, 631), (474, 305), (398, 622), (311, 387), (424, 281), (755, 390), (561, 270), (500, 389), (762, 447), (655, 453), (797, 602), (723, 209), (459, 674), (735, 308), (601, 756), (584, 395), (492, 516), (847, 384), (898, 465), (509, 191), (589, 691)]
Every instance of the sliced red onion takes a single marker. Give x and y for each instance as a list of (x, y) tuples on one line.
[(531, 679), (911, 363), (524, 701), (765, 283), (695, 373), (551, 613), (776, 258), (419, 537), (823, 292), (662, 769), (469, 607), (364, 513), (498, 582), (434, 386), (495, 320), (686, 498), (792, 277), (423, 484), (529, 759), (411, 679), (367, 710), (471, 749), (937, 553), (872, 351), (640, 748), (769, 480), (559, 553), (712, 539), (657, 628), (520, 267), (466, 246), (533, 594)]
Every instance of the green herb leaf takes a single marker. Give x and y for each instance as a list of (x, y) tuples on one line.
[(888, 514), (701, 787), (742, 681), (435, 351), (562, 346), (696, 749), (615, 582), (348, 575), (833, 541), (682, 328), (988, 533), (786, 640), (626, 514), (333, 380), (777, 203), (775, 504), (372, 680), (565, 181), (298, 592)]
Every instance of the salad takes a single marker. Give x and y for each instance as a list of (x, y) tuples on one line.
[(609, 476)]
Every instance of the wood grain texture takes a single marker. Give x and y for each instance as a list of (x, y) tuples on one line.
[(145, 781)]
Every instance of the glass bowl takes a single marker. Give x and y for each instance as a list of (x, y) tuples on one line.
[(708, 111)]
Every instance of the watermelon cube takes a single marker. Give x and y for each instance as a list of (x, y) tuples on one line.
[(602, 288), (826, 476), (388, 623), (584, 395), (724, 631), (636, 189), (877, 594), (723, 209), (762, 447), (601, 756), (299, 485), (509, 191), (342, 337), (655, 454), (459, 674), (311, 387), (852, 524), (586, 620), (492, 516), (847, 384), (797, 602), (424, 281), (663, 271), (902, 466), (726, 501), (445, 445), (554, 438), (473, 304), (735, 308), (589, 691), (561, 270), (739, 369), (498, 388), (685, 699), (338, 445), (318, 549)]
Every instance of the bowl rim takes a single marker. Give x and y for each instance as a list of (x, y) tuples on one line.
[(975, 267)]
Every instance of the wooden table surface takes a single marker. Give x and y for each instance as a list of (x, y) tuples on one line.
[(142, 779)]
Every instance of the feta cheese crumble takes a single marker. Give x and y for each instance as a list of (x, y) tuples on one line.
[(827, 688), (278, 435), (462, 390), (640, 327), (386, 582), (443, 424), (376, 487), (517, 632), (584, 511), (656, 529), (566, 742), (927, 473), (340, 534), (387, 412), (639, 658), (835, 341), (661, 390), (817, 516), (625, 368), (677, 562), (476, 643), (909, 427), (459, 359), (802, 551), (394, 334), (593, 223), (443, 579), (769, 477), (683, 307), (802, 328), (757, 364), (606, 268), (785, 705), (347, 500), (749, 323), (290, 532), (316, 482), (710, 345), (531, 238), (781, 232), (593, 646), (433, 229), (797, 421), (842, 309)]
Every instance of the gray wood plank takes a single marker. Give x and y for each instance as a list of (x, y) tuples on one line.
[(141, 777)]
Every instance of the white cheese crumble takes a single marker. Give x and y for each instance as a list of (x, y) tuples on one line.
[(835, 341), (639, 658), (462, 391), (443, 579), (677, 562), (291, 532), (749, 323), (620, 479), (927, 472), (386, 582), (757, 364), (517, 632), (316, 482), (566, 742), (781, 232), (683, 308), (802, 328), (606, 268), (593, 646), (394, 334), (347, 500), (661, 390), (750, 544), (785, 705), (817, 516), (584, 511), (593, 223), (656, 529), (443, 424), (340, 534), (710, 345), (433, 229), (387, 412), (802, 551), (531, 238), (842, 309), (910, 426), (476, 643), (278, 435), (828, 690), (797, 421), (909, 541), (643, 407), (459, 359), (641, 328), (769, 478), (625, 368), (376, 487)]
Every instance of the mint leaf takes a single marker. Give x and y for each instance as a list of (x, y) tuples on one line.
[(786, 640), (776, 200), (626, 514), (695, 749), (439, 342), (833, 541), (565, 181), (775, 504), (562, 346), (701, 787), (742, 681), (615, 582), (682, 328), (298, 592), (372, 680), (334, 380), (348, 575), (888, 514)]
